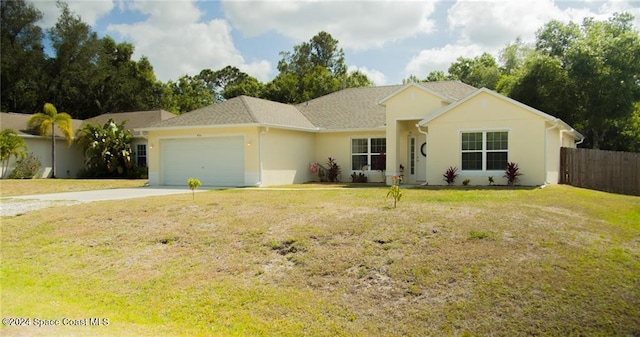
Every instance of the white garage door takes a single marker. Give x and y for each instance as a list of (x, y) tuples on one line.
[(215, 161)]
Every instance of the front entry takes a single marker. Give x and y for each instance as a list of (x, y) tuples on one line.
[(416, 172)]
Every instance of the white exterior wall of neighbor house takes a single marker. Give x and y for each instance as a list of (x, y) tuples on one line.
[(337, 145), (487, 113), (156, 137), (285, 155), (69, 159)]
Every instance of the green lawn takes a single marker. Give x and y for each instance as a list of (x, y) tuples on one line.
[(555, 261)]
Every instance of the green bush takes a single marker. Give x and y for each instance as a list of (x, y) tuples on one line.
[(450, 175), (358, 177), (333, 170), (27, 168)]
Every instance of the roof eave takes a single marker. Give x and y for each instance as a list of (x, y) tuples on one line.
[(376, 129), (226, 126)]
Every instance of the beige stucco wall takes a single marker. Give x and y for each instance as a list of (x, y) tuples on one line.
[(286, 156), (251, 134), (486, 112), (338, 145), (403, 111), (557, 138), (69, 159)]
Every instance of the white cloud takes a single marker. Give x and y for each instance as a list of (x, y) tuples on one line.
[(356, 24), (178, 44), (489, 25), (614, 6), (377, 77), (429, 60), (495, 23), (88, 10)]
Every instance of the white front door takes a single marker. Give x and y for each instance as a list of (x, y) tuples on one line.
[(416, 153)]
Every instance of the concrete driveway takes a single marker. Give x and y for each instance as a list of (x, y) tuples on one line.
[(109, 194), (10, 206)]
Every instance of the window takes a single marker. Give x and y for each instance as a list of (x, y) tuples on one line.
[(141, 155), (368, 153), (485, 151)]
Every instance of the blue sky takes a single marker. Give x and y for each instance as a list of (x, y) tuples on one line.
[(387, 40)]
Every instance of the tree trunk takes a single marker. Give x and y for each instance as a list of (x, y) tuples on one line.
[(597, 137), (53, 151)]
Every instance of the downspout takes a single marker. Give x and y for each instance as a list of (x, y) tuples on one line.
[(546, 150), (426, 167)]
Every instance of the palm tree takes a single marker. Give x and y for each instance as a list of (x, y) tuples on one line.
[(44, 123), (11, 145)]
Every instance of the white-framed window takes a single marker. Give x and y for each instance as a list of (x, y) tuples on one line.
[(484, 150), (141, 155), (367, 153)]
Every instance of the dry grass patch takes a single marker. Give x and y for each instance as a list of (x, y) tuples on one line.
[(16, 187), (557, 261)]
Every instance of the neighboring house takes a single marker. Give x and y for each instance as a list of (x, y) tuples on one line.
[(136, 119), (422, 128), (69, 158)]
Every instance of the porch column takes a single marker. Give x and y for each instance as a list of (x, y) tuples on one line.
[(392, 151)]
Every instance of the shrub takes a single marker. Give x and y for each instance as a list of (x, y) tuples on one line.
[(193, 185), (333, 170), (107, 149), (27, 168), (139, 172), (466, 182), (394, 191), (512, 173), (490, 180), (322, 175), (358, 178), (450, 175)]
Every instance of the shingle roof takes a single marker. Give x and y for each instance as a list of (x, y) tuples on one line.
[(455, 90), (241, 110), (134, 119), (358, 108), (18, 122), (352, 108)]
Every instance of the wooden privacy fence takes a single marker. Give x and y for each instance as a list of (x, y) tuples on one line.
[(609, 171)]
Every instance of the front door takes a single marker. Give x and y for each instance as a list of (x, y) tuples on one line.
[(417, 163)]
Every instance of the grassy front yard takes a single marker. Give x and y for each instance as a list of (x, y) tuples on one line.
[(16, 187), (553, 261)]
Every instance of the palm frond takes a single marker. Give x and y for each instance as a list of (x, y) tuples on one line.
[(64, 122), (50, 110), (41, 123)]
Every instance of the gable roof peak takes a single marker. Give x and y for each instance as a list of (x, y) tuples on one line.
[(448, 91)]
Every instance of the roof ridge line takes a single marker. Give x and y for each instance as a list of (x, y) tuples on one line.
[(248, 108)]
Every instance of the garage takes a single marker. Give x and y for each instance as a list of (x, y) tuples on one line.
[(215, 161)]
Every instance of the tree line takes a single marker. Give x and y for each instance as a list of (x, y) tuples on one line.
[(87, 75), (587, 75)]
